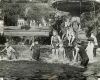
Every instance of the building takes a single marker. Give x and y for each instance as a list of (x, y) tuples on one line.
[(21, 22), (32, 23)]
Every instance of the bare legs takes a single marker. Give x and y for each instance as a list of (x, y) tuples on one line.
[(55, 52), (71, 39)]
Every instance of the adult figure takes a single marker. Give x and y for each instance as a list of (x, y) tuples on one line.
[(89, 50), (95, 39), (57, 24), (66, 23), (95, 43), (55, 40), (83, 55)]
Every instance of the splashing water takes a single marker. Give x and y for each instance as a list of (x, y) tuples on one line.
[(56, 59), (26, 54)]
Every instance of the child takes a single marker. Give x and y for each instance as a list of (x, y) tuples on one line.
[(55, 40), (70, 35), (10, 51), (36, 50), (62, 51), (68, 23)]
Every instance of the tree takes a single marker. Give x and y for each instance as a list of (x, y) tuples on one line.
[(12, 11)]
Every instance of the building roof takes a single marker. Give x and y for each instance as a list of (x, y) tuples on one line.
[(21, 19)]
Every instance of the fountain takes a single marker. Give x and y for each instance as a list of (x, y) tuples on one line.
[(75, 10), (76, 7)]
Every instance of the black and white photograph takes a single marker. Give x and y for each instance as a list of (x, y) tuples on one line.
[(49, 40)]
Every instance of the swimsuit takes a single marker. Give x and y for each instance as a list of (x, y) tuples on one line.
[(55, 41)]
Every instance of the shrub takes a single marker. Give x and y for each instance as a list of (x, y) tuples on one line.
[(26, 27)]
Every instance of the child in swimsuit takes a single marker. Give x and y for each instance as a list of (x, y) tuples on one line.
[(61, 51), (55, 40), (10, 51)]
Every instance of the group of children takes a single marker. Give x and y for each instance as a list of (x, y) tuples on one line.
[(58, 50), (79, 52), (9, 53)]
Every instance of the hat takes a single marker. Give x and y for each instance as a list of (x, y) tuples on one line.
[(79, 42), (91, 39)]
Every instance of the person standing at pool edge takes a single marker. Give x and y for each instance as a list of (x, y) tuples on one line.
[(55, 40), (89, 50), (83, 55)]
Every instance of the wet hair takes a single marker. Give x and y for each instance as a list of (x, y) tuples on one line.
[(55, 31), (79, 42)]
